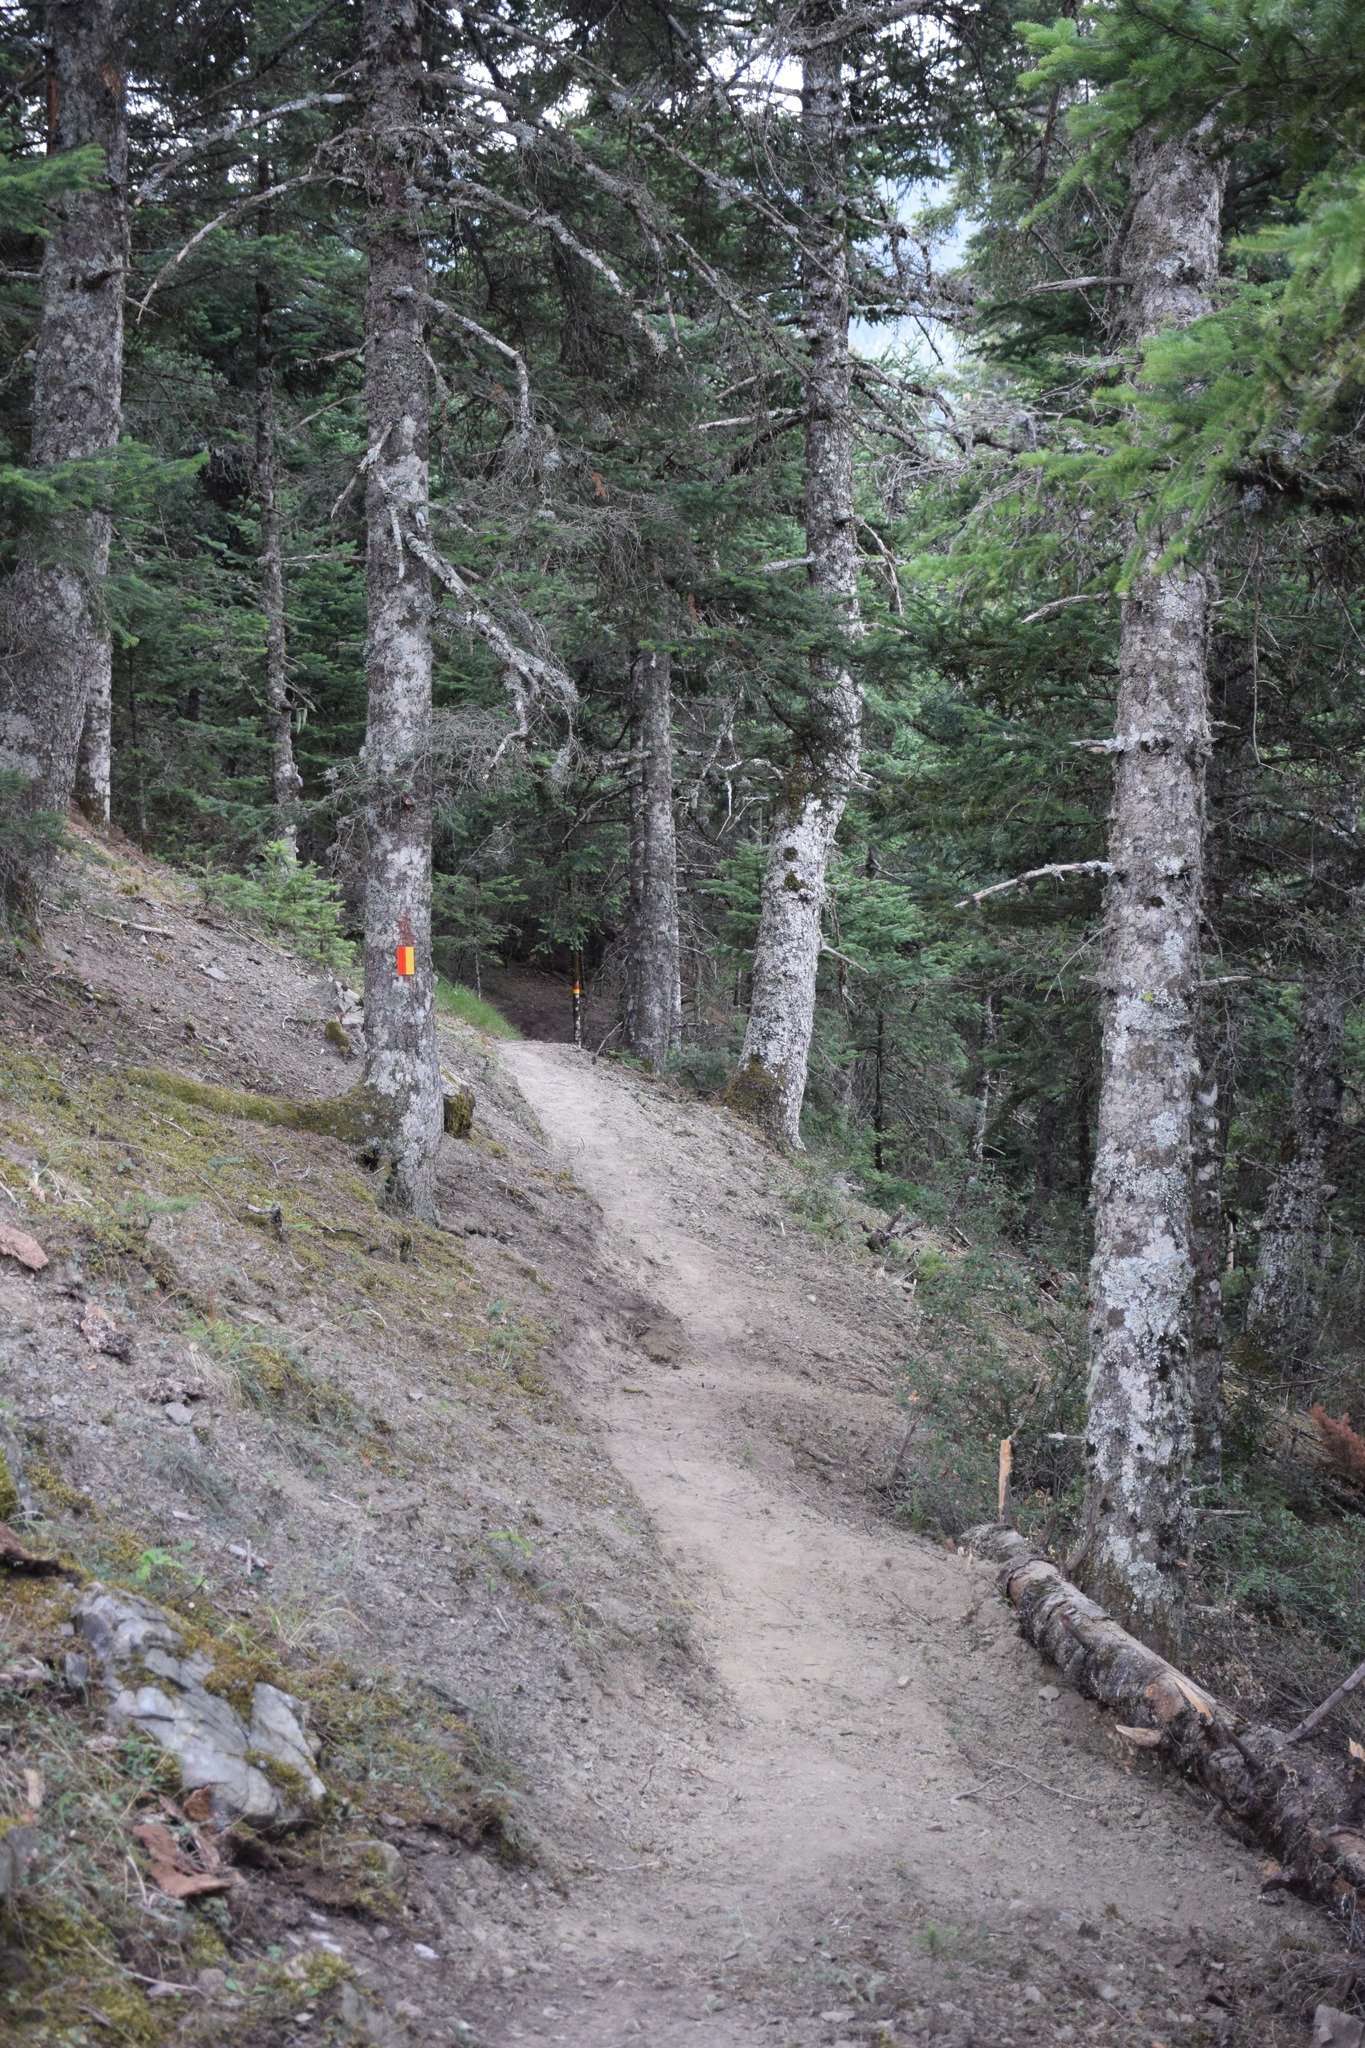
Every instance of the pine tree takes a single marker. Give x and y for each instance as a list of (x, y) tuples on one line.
[(1135, 1528), (770, 1082)]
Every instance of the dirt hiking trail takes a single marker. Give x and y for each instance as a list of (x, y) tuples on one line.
[(887, 1775), (609, 1485)]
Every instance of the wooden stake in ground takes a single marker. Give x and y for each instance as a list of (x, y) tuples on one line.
[(1002, 1503), (402, 1081)]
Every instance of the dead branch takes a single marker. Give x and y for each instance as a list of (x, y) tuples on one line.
[(233, 212), (504, 348), (1333, 1699), (240, 124), (1063, 604), (540, 671), (1048, 873), (541, 217), (893, 575), (858, 21)]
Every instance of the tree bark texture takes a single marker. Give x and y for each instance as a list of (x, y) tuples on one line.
[(1135, 1523), (286, 781), (1282, 1310), (55, 648), (770, 1083), (402, 1077), (1306, 1811), (1210, 1117), (1231, 761), (653, 1020)]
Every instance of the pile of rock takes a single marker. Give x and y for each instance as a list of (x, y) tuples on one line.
[(261, 1770)]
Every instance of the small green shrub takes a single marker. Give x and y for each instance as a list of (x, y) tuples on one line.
[(976, 1382), (453, 999), (288, 898), (1264, 1557)]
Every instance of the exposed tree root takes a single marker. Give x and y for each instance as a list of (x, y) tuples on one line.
[(1307, 1811)]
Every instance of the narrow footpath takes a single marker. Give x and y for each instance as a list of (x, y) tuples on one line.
[(890, 1794)]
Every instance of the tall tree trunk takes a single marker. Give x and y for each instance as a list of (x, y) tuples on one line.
[(771, 1079), (1136, 1517), (54, 635), (402, 1078), (286, 781), (653, 1020), (1282, 1310)]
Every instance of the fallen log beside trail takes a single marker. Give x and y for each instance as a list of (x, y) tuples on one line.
[(1307, 1810)]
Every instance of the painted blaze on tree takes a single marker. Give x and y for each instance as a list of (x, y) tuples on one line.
[(402, 1083)]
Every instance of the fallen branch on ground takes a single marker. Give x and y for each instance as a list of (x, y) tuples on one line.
[(1306, 1810), (1333, 1699)]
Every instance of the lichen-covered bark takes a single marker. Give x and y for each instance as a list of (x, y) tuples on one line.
[(1232, 760), (284, 775), (402, 1070), (54, 636), (653, 1010), (1135, 1523), (1282, 1310), (771, 1079), (1209, 1121)]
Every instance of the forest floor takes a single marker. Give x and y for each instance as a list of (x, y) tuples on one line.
[(603, 1464)]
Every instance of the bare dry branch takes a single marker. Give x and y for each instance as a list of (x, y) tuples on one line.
[(1048, 873), (229, 213), (540, 672)]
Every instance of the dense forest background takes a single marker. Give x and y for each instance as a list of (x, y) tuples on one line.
[(620, 237)]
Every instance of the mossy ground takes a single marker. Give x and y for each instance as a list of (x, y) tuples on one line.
[(95, 1158), (112, 1158), (89, 1934)]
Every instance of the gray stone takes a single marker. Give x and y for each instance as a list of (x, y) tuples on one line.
[(278, 1731), (1335, 2029), (132, 1642), (122, 1627), (366, 2021), (206, 1737)]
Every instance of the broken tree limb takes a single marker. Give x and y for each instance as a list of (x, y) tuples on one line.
[(1052, 872), (540, 671), (1333, 1699), (1304, 1809)]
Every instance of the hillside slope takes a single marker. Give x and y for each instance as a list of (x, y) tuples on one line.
[(592, 1474)]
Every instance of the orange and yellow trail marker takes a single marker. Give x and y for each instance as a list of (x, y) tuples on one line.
[(407, 961)]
